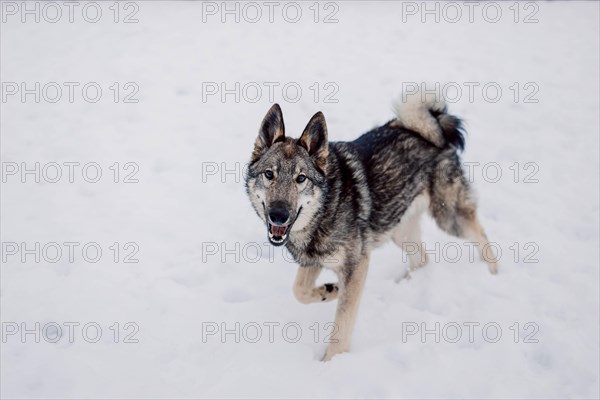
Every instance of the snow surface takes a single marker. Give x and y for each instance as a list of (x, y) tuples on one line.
[(180, 289)]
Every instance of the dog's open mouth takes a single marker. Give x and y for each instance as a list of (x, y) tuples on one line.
[(278, 234)]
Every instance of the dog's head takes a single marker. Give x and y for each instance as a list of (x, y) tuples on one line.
[(286, 177)]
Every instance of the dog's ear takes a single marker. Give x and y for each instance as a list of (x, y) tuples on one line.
[(271, 131), (314, 140)]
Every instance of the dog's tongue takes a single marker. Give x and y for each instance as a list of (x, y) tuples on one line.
[(278, 231)]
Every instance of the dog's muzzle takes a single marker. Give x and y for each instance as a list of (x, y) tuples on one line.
[(278, 225)]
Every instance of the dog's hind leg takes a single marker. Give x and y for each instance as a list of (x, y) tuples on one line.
[(407, 235), (474, 231), (305, 290), (454, 209)]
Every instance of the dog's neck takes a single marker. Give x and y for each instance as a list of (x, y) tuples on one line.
[(313, 241)]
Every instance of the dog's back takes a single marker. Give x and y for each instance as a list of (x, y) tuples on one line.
[(411, 156)]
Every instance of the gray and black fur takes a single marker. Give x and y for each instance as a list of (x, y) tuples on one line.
[(331, 203)]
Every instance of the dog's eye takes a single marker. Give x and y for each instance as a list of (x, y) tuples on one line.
[(269, 175), (301, 178)]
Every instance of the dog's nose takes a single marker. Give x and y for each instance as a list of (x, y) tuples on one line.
[(279, 215)]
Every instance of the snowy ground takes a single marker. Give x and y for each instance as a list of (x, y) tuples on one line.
[(203, 262)]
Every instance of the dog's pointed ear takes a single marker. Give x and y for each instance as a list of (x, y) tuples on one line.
[(314, 139), (271, 131)]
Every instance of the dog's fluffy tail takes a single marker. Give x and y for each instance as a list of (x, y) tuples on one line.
[(426, 114)]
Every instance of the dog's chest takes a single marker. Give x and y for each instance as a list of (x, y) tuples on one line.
[(334, 260)]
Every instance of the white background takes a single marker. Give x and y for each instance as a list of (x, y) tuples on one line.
[(175, 214)]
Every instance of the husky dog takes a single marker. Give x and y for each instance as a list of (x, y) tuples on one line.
[(331, 203)]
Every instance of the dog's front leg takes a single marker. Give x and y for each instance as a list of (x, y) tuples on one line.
[(305, 290), (353, 280)]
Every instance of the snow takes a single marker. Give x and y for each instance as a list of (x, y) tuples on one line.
[(191, 278)]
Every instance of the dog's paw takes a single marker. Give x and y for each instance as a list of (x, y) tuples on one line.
[(333, 350), (328, 291), (418, 262)]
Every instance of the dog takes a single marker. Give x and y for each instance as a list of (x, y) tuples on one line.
[(331, 203)]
